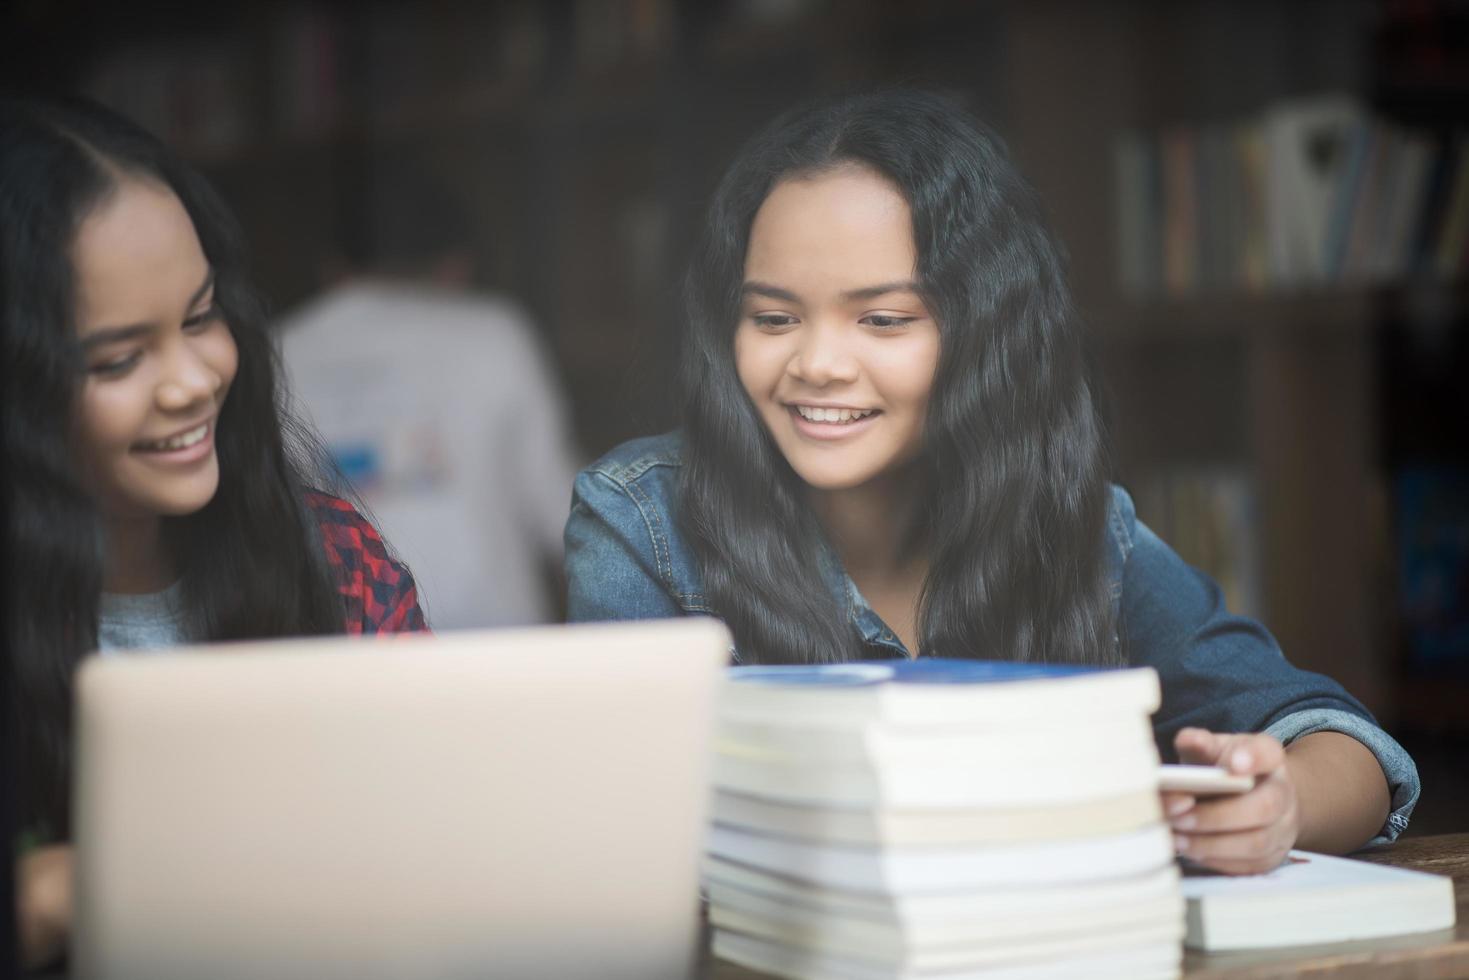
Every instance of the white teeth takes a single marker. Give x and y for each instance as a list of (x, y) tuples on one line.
[(183, 441), (837, 415)]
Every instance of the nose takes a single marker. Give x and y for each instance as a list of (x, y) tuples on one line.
[(823, 356), (186, 380)]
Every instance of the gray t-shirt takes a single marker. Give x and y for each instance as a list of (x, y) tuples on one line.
[(153, 619)]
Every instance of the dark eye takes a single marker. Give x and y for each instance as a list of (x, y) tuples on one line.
[(773, 321), (883, 321), (204, 318), (115, 367)]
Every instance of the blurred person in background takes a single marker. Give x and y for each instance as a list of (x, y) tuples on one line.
[(438, 403), (157, 494)]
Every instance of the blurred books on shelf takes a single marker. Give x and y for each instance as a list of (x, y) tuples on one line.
[(941, 817), (194, 96), (609, 33), (420, 75), (307, 73), (1210, 515), (1310, 192), (1432, 517)]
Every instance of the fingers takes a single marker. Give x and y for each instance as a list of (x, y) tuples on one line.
[(1270, 802), (1246, 754), (1195, 745), (1254, 755), (1175, 804), (1248, 852), (1247, 834)]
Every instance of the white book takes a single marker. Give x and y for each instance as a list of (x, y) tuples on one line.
[(1054, 782), (880, 746), (1314, 898), (1027, 908), (945, 942), (1163, 925), (1309, 144), (954, 826), (1132, 181), (1157, 960), (912, 870), (935, 692)]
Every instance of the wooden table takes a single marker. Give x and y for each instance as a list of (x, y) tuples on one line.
[(1438, 955)]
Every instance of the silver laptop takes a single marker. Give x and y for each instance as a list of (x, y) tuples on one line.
[(525, 803)]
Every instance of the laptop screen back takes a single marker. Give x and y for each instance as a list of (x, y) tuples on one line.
[(526, 803)]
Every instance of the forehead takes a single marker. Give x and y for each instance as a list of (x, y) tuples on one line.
[(849, 224), (136, 256)]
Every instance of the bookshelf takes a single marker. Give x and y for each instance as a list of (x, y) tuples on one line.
[(585, 136), (1285, 382)]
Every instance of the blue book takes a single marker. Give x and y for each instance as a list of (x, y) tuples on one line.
[(903, 670), (930, 691)]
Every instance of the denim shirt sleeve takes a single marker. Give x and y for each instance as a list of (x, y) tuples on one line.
[(1225, 672), (614, 562)]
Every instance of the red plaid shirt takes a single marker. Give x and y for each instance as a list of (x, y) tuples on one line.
[(378, 592)]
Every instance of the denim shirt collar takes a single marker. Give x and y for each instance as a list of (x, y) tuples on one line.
[(874, 632)]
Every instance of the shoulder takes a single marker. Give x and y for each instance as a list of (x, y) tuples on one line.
[(379, 590), (624, 510), (388, 315), (634, 485), (642, 471), (342, 526), (651, 458), (349, 539)]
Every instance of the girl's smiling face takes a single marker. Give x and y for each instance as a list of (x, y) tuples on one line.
[(158, 355), (835, 346)]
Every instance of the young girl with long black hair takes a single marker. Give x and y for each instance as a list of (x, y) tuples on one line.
[(157, 491), (890, 447)]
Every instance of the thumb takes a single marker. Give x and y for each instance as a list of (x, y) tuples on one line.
[(1256, 755), (1200, 747)]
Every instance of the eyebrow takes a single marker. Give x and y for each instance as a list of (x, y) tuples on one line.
[(113, 335), (756, 288)]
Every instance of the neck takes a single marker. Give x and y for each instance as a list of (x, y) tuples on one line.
[(135, 560), (868, 525)]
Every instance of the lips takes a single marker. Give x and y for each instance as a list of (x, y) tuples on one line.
[(186, 446), (176, 442), (832, 415), (817, 428)]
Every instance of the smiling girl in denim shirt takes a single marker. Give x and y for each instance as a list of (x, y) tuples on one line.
[(890, 448)]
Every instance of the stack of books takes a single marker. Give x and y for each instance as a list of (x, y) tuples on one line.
[(936, 818)]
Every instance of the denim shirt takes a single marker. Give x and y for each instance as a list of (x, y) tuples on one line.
[(626, 559)]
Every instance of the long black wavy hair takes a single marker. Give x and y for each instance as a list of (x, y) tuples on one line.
[(251, 561), (1013, 464)]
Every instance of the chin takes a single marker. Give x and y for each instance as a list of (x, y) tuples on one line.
[(182, 501), (819, 478), (183, 508)]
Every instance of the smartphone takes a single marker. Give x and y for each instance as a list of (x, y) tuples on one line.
[(1202, 780)]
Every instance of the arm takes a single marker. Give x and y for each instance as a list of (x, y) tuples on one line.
[(43, 891), (1341, 789), (1225, 674), (400, 612)]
